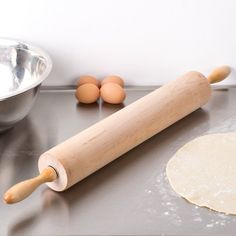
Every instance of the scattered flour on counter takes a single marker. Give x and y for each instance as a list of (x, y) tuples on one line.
[(162, 205), (229, 125), (170, 207)]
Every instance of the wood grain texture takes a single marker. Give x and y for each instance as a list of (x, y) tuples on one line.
[(93, 148)]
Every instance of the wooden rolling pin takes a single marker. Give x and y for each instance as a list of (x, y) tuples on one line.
[(71, 161)]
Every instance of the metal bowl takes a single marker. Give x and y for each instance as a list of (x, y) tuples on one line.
[(22, 70)]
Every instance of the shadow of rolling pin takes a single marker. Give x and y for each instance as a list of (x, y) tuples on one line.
[(61, 205), (38, 218), (73, 160)]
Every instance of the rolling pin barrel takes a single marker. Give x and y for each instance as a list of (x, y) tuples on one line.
[(93, 148)]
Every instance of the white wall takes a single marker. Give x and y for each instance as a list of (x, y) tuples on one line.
[(148, 42)]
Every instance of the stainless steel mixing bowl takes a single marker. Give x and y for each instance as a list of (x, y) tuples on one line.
[(22, 70)]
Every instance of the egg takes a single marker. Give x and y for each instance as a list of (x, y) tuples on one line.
[(85, 79), (112, 93), (87, 93), (113, 79)]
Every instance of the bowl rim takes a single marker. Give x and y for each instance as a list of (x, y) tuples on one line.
[(35, 49)]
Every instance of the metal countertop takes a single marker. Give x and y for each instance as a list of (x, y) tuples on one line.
[(130, 196)]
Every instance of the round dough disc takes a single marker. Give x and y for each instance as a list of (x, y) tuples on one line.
[(204, 172)]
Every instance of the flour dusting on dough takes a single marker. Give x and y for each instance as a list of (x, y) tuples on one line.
[(204, 172)]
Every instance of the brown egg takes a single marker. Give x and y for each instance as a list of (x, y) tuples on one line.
[(112, 93), (113, 79), (85, 79), (87, 93)]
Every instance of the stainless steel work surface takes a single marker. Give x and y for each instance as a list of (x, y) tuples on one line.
[(130, 196)]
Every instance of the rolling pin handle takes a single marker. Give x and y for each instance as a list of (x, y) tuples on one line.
[(23, 189), (85, 153), (219, 74)]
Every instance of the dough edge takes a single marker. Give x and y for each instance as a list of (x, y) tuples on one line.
[(182, 195)]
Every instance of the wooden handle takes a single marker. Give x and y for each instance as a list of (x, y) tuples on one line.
[(93, 148), (219, 74), (22, 190)]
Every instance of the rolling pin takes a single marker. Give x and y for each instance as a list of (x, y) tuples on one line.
[(76, 158)]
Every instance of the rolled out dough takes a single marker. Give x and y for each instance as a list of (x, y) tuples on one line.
[(203, 171)]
